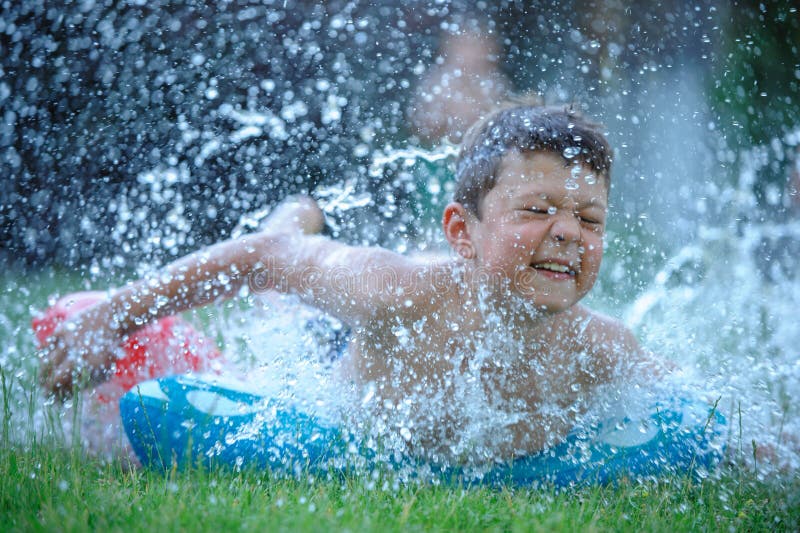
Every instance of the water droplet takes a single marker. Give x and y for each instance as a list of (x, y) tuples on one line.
[(361, 150)]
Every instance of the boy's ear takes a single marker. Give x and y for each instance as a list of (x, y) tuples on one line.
[(456, 230)]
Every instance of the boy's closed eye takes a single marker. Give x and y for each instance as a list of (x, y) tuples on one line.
[(539, 210), (590, 219)]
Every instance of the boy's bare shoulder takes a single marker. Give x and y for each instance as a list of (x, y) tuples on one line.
[(428, 283), (614, 348), (604, 336)]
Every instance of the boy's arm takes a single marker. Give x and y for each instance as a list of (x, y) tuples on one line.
[(353, 284), (88, 341)]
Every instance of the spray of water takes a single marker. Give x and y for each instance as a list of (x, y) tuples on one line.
[(725, 306), (280, 97), (718, 307)]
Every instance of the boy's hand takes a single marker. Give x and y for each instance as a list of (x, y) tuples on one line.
[(81, 348), (295, 214)]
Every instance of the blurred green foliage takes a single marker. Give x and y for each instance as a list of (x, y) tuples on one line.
[(757, 72)]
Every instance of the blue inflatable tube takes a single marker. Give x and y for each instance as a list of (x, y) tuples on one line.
[(185, 420)]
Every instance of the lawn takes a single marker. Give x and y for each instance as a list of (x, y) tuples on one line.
[(46, 488)]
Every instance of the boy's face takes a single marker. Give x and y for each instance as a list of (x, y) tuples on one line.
[(542, 227)]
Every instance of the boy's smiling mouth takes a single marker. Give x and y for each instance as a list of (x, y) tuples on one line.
[(554, 267)]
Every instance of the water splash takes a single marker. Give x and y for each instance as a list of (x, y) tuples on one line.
[(725, 306), (410, 156), (689, 313), (337, 200)]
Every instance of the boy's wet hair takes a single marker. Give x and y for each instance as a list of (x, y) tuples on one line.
[(525, 127)]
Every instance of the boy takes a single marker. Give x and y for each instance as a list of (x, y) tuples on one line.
[(499, 324)]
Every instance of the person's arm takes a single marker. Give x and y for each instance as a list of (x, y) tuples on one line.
[(355, 284), (87, 342)]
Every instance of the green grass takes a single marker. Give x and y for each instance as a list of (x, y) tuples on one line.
[(46, 488)]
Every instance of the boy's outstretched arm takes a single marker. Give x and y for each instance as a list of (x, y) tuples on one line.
[(86, 343), (354, 284)]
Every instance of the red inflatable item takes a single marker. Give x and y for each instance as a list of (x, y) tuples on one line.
[(168, 346)]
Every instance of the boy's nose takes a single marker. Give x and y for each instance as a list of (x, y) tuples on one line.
[(565, 228)]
